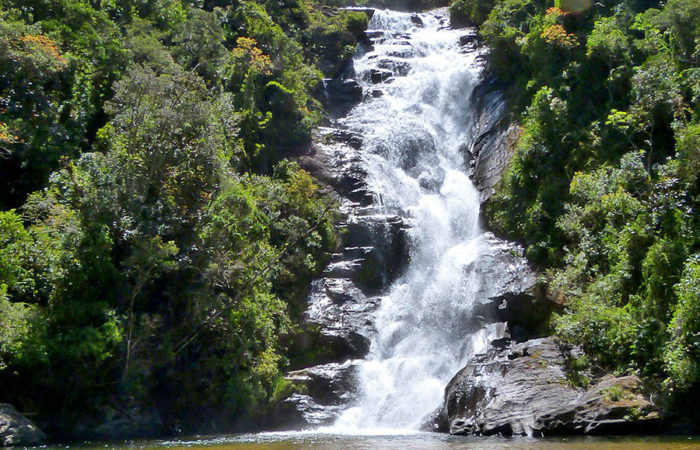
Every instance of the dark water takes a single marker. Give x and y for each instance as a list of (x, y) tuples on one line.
[(418, 441)]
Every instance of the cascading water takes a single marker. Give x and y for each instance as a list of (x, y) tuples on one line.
[(414, 127)]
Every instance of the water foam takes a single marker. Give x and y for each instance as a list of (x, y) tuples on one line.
[(413, 130)]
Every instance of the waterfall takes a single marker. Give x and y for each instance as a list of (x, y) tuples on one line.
[(414, 124)]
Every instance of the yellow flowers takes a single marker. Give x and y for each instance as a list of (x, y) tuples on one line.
[(557, 35), (246, 49), (6, 136), (554, 11), (45, 45)]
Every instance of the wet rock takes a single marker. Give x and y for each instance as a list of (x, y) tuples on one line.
[(504, 392), (17, 430), (377, 76), (495, 152), (523, 390), (340, 310), (502, 270), (338, 96), (301, 410), (402, 53), (348, 137), (387, 239), (436, 422), (493, 137), (509, 291), (333, 159), (471, 39), (416, 20), (327, 384), (395, 67)]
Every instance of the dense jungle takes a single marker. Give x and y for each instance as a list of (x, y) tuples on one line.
[(158, 237)]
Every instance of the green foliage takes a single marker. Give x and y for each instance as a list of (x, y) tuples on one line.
[(576, 369), (16, 322), (603, 186), (616, 393), (683, 349), (474, 12), (160, 244)]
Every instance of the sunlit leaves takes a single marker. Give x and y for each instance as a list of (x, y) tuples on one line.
[(603, 185)]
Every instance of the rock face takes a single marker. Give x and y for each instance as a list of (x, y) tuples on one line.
[(523, 390), (17, 430), (509, 292), (339, 95), (372, 252), (324, 392), (613, 406), (494, 136)]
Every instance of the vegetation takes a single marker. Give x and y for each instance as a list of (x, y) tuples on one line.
[(603, 187), (154, 244)]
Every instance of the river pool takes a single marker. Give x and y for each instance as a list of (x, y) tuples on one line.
[(416, 441)]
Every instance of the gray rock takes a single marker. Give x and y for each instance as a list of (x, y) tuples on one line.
[(523, 390), (508, 291), (17, 430), (299, 410), (328, 384), (493, 137), (341, 310), (612, 406), (394, 66), (377, 76), (471, 39), (338, 96)]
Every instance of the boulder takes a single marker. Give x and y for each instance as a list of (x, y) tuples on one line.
[(328, 384), (523, 390), (394, 66), (17, 430), (471, 39), (300, 410), (376, 76)]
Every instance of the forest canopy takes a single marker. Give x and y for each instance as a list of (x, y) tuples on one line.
[(155, 244)]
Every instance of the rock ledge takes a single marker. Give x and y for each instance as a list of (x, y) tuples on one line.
[(523, 390)]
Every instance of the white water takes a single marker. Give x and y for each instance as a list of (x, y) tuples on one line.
[(412, 133)]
